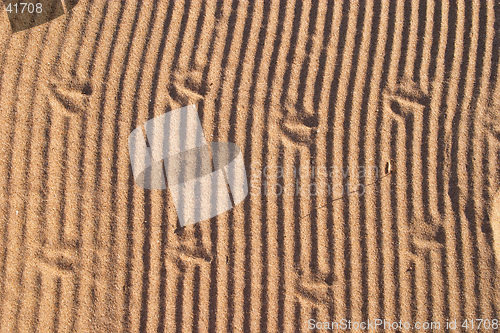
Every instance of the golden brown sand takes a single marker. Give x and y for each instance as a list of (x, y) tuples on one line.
[(410, 89)]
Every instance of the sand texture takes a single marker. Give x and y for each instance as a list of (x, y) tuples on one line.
[(403, 97)]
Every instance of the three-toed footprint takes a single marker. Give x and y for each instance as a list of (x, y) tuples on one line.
[(298, 125), (68, 95)]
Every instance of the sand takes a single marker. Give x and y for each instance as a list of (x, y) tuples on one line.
[(408, 89)]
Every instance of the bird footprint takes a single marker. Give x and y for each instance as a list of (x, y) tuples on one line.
[(406, 99), (187, 88), (68, 95), (491, 119), (298, 125)]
